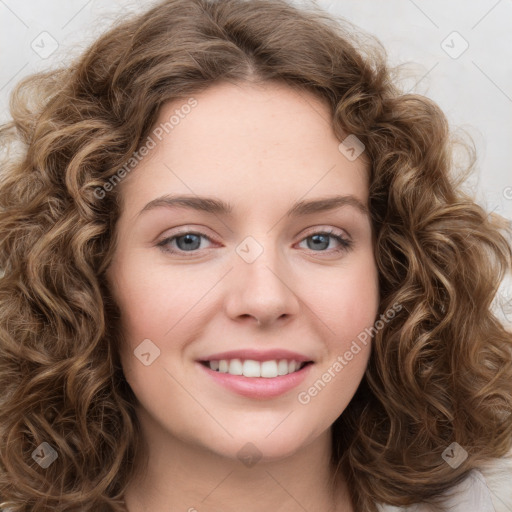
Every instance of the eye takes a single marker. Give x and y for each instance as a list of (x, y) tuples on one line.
[(190, 241), (320, 240)]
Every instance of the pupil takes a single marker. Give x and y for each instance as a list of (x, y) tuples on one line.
[(318, 239), (189, 241)]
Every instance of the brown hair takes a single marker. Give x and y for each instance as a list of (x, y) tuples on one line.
[(440, 372)]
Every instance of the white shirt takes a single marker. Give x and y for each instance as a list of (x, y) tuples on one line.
[(488, 490)]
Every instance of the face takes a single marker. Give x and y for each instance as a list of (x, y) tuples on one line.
[(248, 288)]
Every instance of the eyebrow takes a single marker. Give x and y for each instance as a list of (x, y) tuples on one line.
[(219, 207)]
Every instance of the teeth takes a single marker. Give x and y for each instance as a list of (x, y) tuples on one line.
[(251, 368), (269, 369), (282, 367), (235, 367)]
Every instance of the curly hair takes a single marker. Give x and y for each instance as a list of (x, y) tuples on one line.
[(440, 372)]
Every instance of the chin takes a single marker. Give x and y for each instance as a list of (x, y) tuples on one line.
[(256, 446)]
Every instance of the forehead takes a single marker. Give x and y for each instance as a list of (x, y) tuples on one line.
[(246, 141)]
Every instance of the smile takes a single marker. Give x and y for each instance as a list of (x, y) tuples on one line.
[(253, 369), (254, 387)]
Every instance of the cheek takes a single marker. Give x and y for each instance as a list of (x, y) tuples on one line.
[(349, 309), (361, 304), (347, 300), (153, 299)]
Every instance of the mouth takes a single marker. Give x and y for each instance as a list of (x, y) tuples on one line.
[(257, 380), (251, 368)]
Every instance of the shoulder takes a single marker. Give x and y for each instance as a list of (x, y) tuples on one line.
[(486, 490), (497, 476)]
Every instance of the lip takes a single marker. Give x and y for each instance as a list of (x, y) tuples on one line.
[(261, 388), (258, 355)]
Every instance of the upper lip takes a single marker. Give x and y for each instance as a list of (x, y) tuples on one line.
[(258, 355)]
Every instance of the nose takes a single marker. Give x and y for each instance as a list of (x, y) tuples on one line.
[(262, 290)]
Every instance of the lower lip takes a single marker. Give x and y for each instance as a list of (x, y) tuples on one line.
[(259, 387)]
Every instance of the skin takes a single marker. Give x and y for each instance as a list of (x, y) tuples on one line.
[(262, 148)]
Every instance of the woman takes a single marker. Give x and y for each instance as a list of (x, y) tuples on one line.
[(239, 274)]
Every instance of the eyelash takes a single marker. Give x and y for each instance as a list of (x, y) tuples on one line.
[(345, 243)]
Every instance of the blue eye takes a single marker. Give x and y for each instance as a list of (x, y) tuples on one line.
[(186, 242), (321, 240), (190, 242)]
